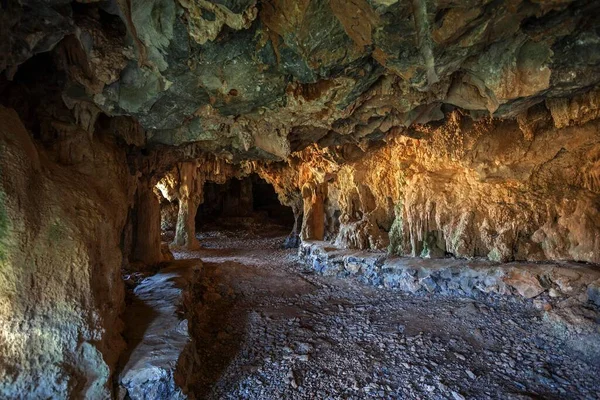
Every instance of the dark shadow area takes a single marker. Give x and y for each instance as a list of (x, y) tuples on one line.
[(35, 94), (137, 317), (242, 202), (267, 203), (216, 339)]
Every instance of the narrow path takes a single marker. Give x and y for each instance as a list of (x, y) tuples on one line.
[(266, 328)]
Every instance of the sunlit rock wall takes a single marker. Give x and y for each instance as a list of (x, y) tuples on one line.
[(504, 190)]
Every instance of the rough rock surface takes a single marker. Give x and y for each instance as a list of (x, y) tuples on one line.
[(476, 278), (147, 235), (447, 127), (156, 335), (274, 76), (61, 292), (265, 327), (428, 128), (470, 189)]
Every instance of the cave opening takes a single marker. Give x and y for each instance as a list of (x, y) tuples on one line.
[(242, 202)]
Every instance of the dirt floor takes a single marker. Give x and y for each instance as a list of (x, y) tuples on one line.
[(265, 327)]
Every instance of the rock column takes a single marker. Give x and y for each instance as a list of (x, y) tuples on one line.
[(313, 226), (293, 239), (190, 196), (146, 247)]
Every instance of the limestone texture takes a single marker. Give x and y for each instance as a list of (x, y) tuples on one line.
[(467, 189), (160, 335), (61, 293), (431, 129), (269, 78)]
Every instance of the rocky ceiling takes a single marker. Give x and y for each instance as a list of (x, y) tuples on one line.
[(262, 79)]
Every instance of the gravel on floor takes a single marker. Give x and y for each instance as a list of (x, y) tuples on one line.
[(265, 327)]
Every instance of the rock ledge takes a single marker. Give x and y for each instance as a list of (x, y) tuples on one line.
[(454, 276)]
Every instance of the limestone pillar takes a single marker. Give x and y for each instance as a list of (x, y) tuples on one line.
[(146, 244), (293, 239), (190, 195), (313, 226)]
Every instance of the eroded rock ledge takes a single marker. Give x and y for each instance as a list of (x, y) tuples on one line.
[(473, 278)]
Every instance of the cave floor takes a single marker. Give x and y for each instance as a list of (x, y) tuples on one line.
[(267, 328)]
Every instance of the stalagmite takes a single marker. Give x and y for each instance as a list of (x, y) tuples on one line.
[(313, 226), (293, 239)]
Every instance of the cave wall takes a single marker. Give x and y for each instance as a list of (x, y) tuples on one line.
[(505, 190), (61, 291), (168, 215)]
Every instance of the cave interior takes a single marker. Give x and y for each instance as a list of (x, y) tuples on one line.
[(299, 199)]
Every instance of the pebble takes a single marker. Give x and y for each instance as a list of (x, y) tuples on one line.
[(328, 338)]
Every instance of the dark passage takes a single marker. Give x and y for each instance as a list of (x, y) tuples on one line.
[(247, 200)]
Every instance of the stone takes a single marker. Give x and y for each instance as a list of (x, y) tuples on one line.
[(379, 201), (429, 284), (525, 283), (160, 336), (457, 396), (147, 246), (292, 241), (447, 277), (593, 292), (542, 305), (71, 332), (353, 267), (399, 59), (165, 251), (189, 193)]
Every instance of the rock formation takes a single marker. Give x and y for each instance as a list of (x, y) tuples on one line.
[(146, 246), (472, 189), (439, 128), (60, 283)]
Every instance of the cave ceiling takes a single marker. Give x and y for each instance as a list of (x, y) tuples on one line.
[(262, 79)]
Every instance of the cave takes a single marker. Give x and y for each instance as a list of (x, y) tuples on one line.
[(299, 199), (249, 197)]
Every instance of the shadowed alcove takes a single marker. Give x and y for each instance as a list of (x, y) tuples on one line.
[(241, 201)]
